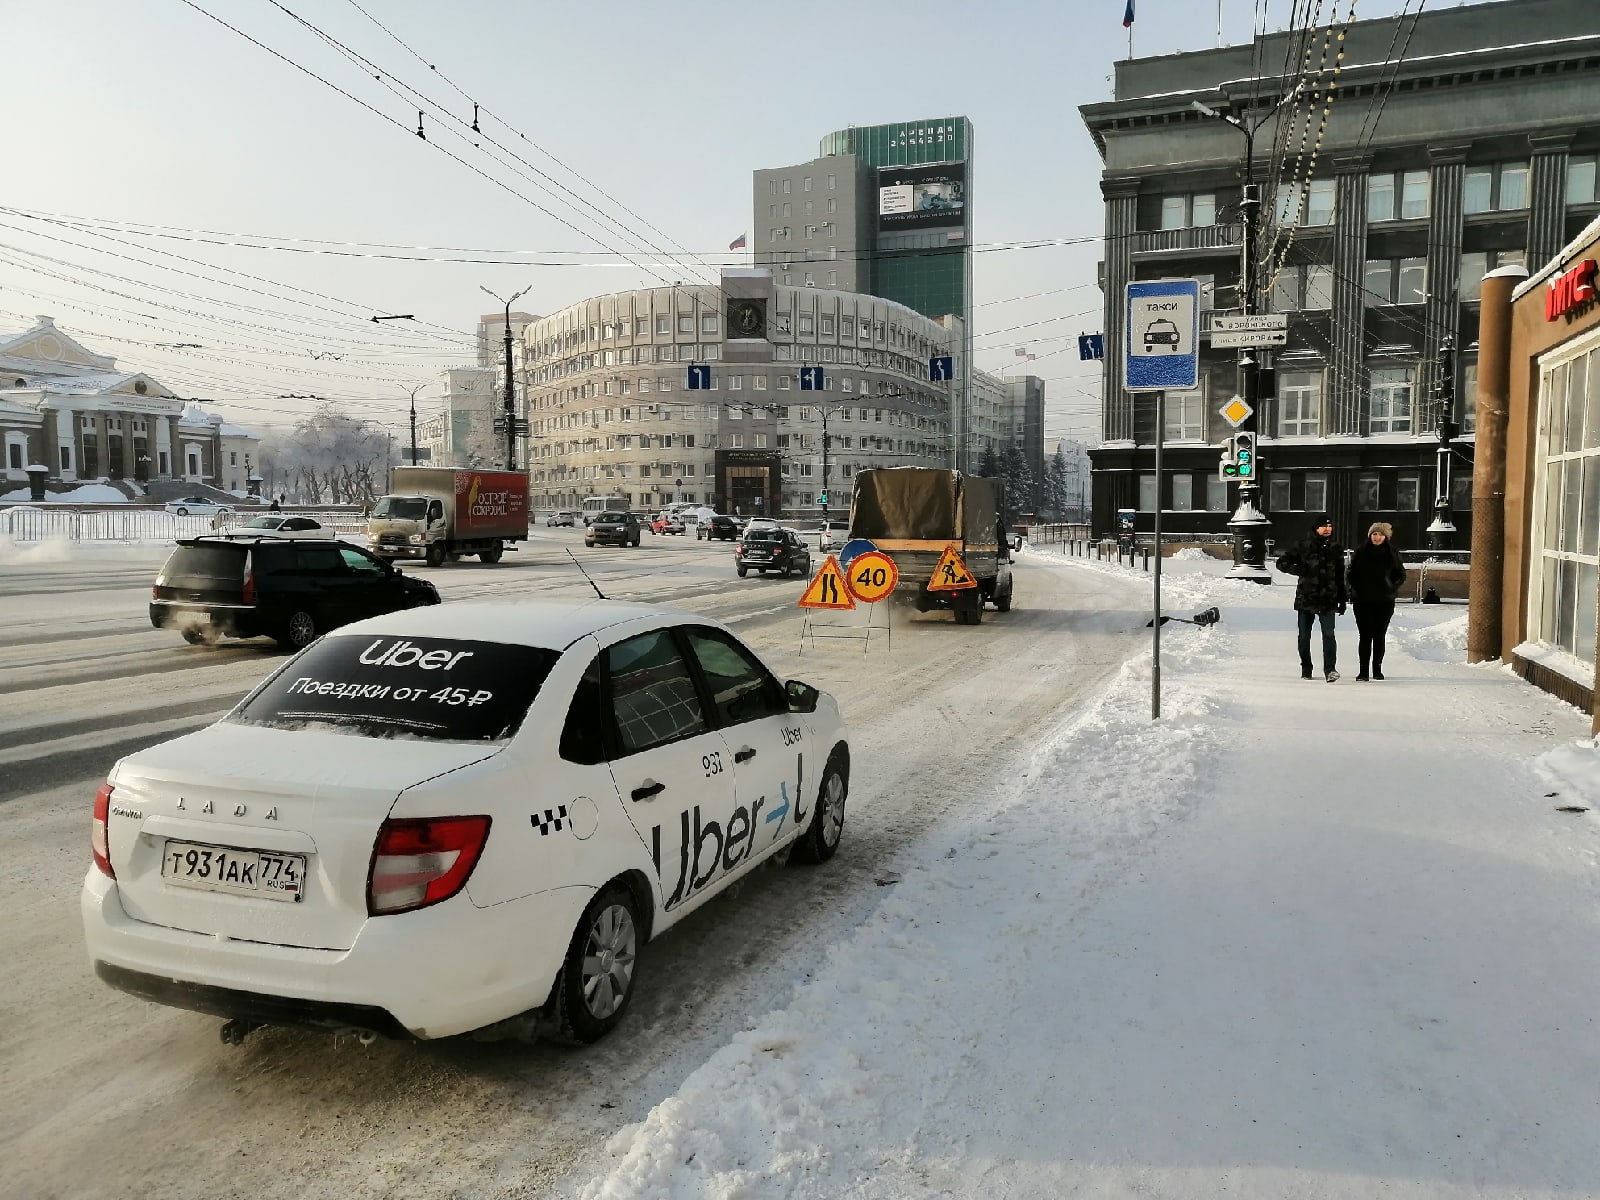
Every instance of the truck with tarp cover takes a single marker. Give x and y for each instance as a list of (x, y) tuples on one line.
[(913, 514), (441, 513)]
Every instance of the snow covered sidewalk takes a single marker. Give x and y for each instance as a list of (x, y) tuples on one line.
[(1295, 939)]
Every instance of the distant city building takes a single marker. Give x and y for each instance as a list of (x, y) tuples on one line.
[(610, 413), (492, 338), (67, 408), (1436, 147), (885, 210), (460, 431)]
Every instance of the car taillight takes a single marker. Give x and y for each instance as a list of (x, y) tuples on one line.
[(249, 594), (421, 862), (99, 842)]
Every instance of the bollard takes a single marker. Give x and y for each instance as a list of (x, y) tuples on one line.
[(1147, 560)]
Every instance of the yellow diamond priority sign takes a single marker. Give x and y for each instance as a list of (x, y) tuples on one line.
[(1236, 412)]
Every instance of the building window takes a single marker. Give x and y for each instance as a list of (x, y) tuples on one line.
[(1147, 493), (1278, 493), (14, 455), (1180, 212), (1467, 400), (1495, 187), (1186, 418), (1216, 494), (786, 188), (1391, 392), (1316, 493), (1311, 204), (806, 322), (1581, 179), (1475, 265), (1299, 403), (808, 183), (663, 324), (685, 322), (1307, 288), (1182, 492), (708, 323), (1395, 281), (827, 323), (1367, 494), (1405, 493), (1409, 188)]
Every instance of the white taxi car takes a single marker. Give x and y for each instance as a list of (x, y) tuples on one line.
[(413, 831)]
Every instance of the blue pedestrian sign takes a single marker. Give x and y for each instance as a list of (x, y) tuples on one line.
[(1091, 345), (1161, 342), (699, 378), (940, 368), (810, 379)]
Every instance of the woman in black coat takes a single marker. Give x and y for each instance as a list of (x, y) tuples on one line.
[(1375, 577)]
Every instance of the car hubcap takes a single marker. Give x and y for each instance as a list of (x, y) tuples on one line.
[(608, 961), (301, 629), (833, 809)]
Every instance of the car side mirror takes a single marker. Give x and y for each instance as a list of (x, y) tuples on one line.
[(802, 696)]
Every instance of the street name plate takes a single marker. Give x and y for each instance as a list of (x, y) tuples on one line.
[(1248, 338), (1241, 322)]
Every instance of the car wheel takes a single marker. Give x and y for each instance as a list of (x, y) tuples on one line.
[(820, 841), (597, 979), (1002, 602), (742, 571), (182, 512), (435, 556), (492, 556), (299, 631), (636, 541)]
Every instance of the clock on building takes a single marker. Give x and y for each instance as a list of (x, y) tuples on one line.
[(747, 318)]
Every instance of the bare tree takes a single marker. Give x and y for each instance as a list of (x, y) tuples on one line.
[(330, 457)]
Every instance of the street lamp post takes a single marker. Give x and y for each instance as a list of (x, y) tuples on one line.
[(511, 393), (1441, 534), (1249, 524), (414, 392)]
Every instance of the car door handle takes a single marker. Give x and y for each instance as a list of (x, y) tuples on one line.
[(647, 789), (744, 755)]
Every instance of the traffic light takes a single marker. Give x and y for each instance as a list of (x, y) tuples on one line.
[(1244, 456)]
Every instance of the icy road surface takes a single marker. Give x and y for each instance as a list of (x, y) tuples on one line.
[(105, 1096)]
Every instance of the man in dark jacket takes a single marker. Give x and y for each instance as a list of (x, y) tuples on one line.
[(1320, 592)]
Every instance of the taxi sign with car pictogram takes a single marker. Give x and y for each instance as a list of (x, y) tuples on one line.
[(950, 573), (872, 576), (828, 588)]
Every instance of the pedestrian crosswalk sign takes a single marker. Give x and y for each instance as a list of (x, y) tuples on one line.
[(951, 574), (827, 588)]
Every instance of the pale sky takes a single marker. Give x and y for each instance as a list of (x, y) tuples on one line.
[(153, 113)]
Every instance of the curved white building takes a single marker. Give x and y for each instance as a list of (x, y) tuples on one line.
[(610, 413)]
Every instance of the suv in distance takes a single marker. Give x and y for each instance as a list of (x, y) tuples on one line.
[(718, 528), (613, 529), (768, 548), (293, 591), (564, 517)]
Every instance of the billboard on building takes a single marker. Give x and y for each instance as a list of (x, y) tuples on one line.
[(924, 197)]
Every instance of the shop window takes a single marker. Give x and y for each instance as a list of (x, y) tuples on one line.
[(1147, 493), (1216, 494), (1367, 493), (1182, 492), (1581, 179), (1316, 493), (1278, 498)]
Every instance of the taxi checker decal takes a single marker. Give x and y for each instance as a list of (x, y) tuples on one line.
[(733, 841), (552, 820)]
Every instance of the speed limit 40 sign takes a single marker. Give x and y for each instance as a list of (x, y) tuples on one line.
[(872, 576)]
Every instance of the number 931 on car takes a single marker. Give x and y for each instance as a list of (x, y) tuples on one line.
[(458, 819)]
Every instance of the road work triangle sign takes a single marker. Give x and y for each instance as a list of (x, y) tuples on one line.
[(951, 574), (827, 588)]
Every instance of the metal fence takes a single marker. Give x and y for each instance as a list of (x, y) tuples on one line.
[(125, 523)]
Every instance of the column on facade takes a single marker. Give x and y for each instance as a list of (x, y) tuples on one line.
[(1446, 177), (175, 463), (1547, 201), (1122, 222), (102, 446), (1347, 361)]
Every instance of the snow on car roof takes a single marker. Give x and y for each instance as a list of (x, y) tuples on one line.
[(551, 624)]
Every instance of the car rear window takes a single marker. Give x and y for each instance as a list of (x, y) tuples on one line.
[(763, 535), (205, 562), (612, 517), (383, 686)]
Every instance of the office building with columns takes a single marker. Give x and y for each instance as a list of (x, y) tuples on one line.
[(1398, 162), (64, 407)]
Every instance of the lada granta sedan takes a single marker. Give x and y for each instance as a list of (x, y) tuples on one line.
[(414, 832)]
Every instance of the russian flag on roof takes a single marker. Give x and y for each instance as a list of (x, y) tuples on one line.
[(1127, 16)]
